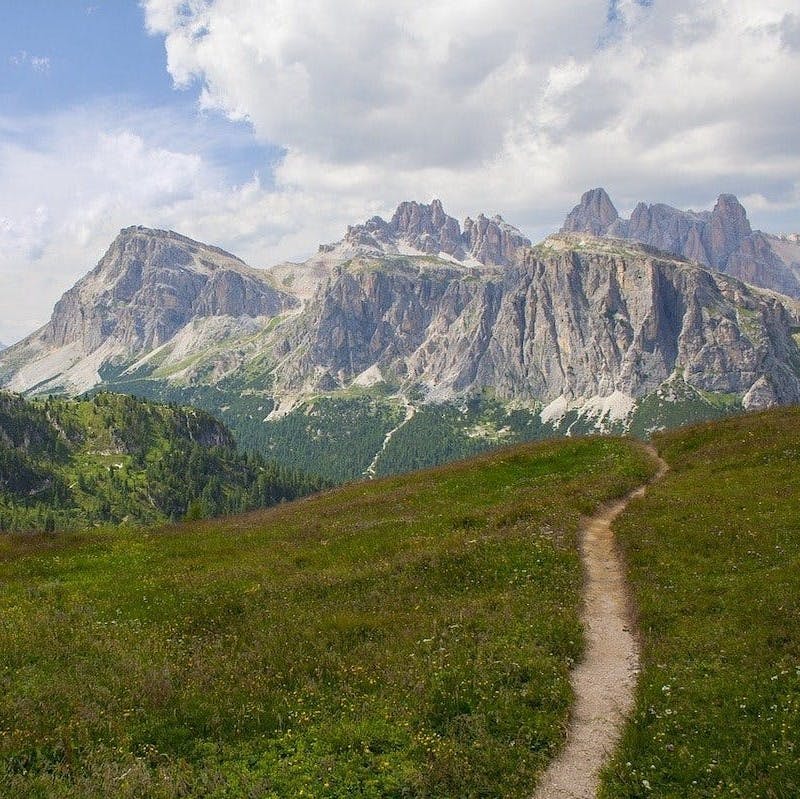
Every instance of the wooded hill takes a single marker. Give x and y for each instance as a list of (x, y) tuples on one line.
[(113, 458)]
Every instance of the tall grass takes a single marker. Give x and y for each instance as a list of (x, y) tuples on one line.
[(409, 637), (714, 554)]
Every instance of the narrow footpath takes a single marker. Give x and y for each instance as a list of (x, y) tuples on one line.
[(604, 682)]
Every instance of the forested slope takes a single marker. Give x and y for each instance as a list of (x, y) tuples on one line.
[(113, 458)]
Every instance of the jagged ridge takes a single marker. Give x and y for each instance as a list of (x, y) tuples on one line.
[(419, 304), (721, 238)]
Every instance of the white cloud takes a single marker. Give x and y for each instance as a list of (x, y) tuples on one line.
[(509, 106), (38, 63), (478, 101)]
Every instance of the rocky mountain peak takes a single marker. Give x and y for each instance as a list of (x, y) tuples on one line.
[(721, 238), (729, 228), (594, 214), (429, 229), (493, 241), (149, 284)]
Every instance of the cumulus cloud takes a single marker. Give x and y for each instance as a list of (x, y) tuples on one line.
[(420, 84), (69, 182), (671, 100), (509, 106)]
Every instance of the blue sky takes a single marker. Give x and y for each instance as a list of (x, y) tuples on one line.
[(63, 54), (266, 127), (93, 49)]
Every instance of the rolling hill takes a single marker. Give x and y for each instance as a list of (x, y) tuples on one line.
[(409, 637), (413, 636)]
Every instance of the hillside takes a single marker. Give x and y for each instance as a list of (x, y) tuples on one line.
[(410, 637), (113, 458), (414, 636), (465, 333), (714, 558)]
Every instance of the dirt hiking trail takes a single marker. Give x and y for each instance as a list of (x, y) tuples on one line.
[(604, 682)]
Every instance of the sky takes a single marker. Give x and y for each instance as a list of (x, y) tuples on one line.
[(267, 126)]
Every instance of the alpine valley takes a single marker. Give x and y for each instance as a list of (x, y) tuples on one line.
[(419, 339)]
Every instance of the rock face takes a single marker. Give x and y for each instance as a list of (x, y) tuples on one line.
[(594, 214), (720, 239), (149, 284), (416, 228), (571, 320), (423, 304)]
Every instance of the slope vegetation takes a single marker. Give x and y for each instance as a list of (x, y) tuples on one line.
[(408, 637), (113, 458), (714, 555)]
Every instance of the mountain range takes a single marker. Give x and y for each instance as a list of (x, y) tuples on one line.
[(420, 338), (720, 239)]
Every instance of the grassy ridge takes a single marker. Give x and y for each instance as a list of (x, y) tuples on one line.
[(714, 555), (404, 638)]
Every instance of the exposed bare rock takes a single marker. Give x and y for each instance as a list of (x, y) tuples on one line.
[(722, 238), (578, 321), (594, 214), (760, 395), (149, 284), (493, 241), (573, 319), (729, 229), (666, 228), (428, 230), (147, 287)]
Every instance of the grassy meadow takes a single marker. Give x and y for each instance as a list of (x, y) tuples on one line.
[(410, 637), (714, 559)]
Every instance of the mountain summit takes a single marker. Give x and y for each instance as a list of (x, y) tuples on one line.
[(423, 312), (720, 239), (419, 229), (149, 286), (594, 214)]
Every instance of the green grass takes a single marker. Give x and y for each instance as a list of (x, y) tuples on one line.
[(409, 637), (714, 555)]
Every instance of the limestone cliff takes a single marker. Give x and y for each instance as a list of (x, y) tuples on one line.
[(721, 238)]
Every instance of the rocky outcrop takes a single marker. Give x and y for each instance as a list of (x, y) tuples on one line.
[(428, 230), (573, 320), (151, 283), (493, 241), (721, 238), (594, 214)]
